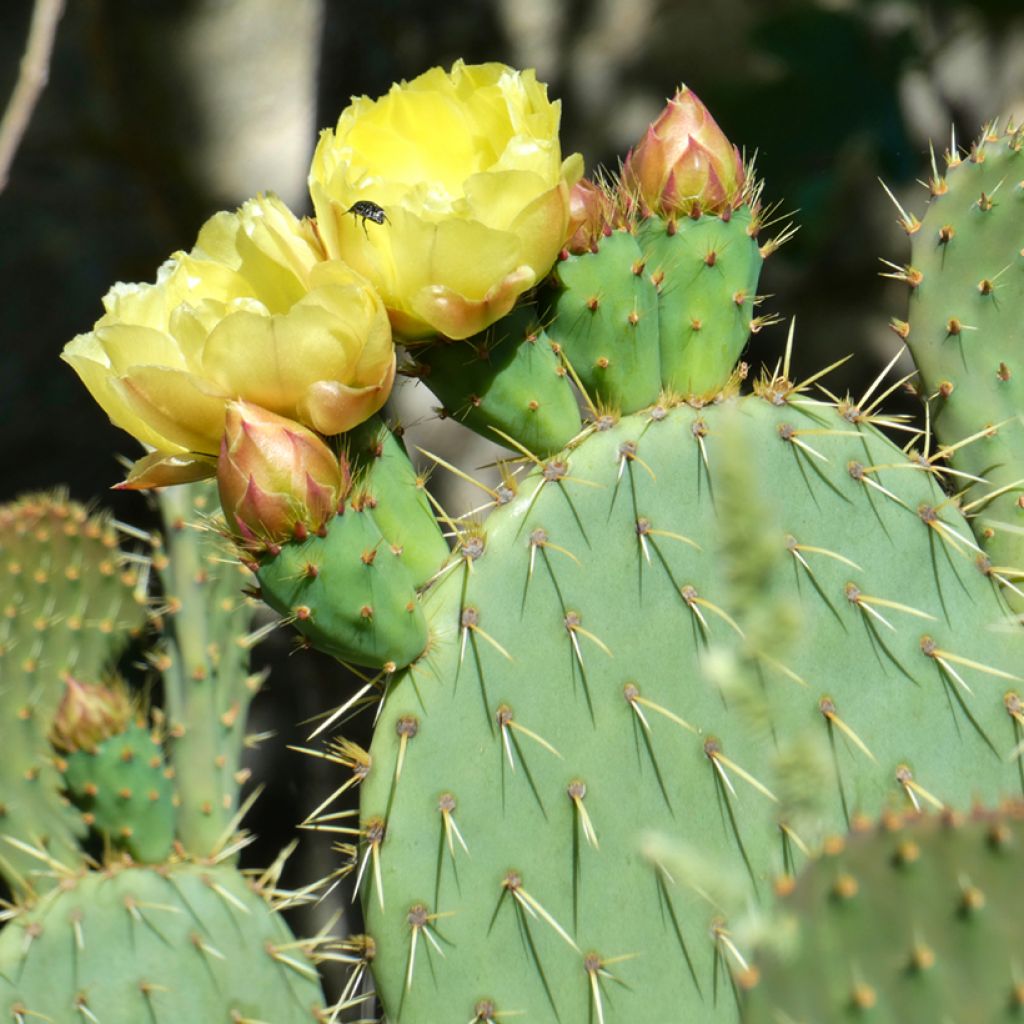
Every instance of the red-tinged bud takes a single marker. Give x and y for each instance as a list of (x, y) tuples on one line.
[(685, 164), (277, 479), (591, 213), (90, 713)]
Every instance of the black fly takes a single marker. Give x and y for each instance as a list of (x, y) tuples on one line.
[(367, 210)]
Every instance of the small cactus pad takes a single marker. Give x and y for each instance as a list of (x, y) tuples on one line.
[(349, 592), (966, 330), (918, 919), (187, 942), (572, 703), (508, 378), (387, 484), (706, 271), (605, 320), (123, 788)]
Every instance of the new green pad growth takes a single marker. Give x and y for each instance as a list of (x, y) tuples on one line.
[(123, 787), (706, 270), (917, 918)]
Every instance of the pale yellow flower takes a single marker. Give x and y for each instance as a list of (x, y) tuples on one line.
[(253, 312), (467, 168)]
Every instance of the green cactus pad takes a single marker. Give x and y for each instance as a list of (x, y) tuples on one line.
[(386, 483), (706, 271), (605, 319), (349, 593), (123, 787), (918, 919), (180, 943), (573, 705), (507, 378), (70, 604), (966, 330)]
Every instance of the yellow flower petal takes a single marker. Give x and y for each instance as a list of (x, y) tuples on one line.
[(158, 469), (180, 406)]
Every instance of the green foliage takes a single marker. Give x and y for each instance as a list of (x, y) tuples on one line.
[(203, 656), (385, 482), (349, 593), (187, 939), (605, 321), (915, 919)]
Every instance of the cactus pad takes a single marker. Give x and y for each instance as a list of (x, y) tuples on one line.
[(917, 919), (123, 788), (187, 942), (569, 706), (966, 281)]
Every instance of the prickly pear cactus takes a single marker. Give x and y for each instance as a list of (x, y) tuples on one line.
[(914, 919), (72, 601), (123, 789), (706, 626), (166, 927)]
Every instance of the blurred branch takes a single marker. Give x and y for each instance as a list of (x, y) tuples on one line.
[(32, 77)]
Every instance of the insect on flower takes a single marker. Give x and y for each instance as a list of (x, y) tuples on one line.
[(367, 210)]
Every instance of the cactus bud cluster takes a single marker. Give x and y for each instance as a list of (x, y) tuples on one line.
[(90, 713)]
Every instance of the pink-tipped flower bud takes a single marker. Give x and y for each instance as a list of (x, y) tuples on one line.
[(90, 713), (685, 164), (591, 216), (277, 479)]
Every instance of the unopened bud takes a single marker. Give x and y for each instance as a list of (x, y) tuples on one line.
[(591, 212), (277, 479), (90, 713), (685, 164)]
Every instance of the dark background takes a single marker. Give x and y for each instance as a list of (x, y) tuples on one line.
[(160, 112)]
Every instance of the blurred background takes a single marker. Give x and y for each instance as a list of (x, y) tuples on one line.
[(160, 112)]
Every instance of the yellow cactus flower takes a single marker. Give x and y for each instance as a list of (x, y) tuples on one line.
[(449, 194), (255, 312)]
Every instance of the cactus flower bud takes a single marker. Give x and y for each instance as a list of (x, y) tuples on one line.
[(90, 713), (277, 479), (684, 162), (591, 215)]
